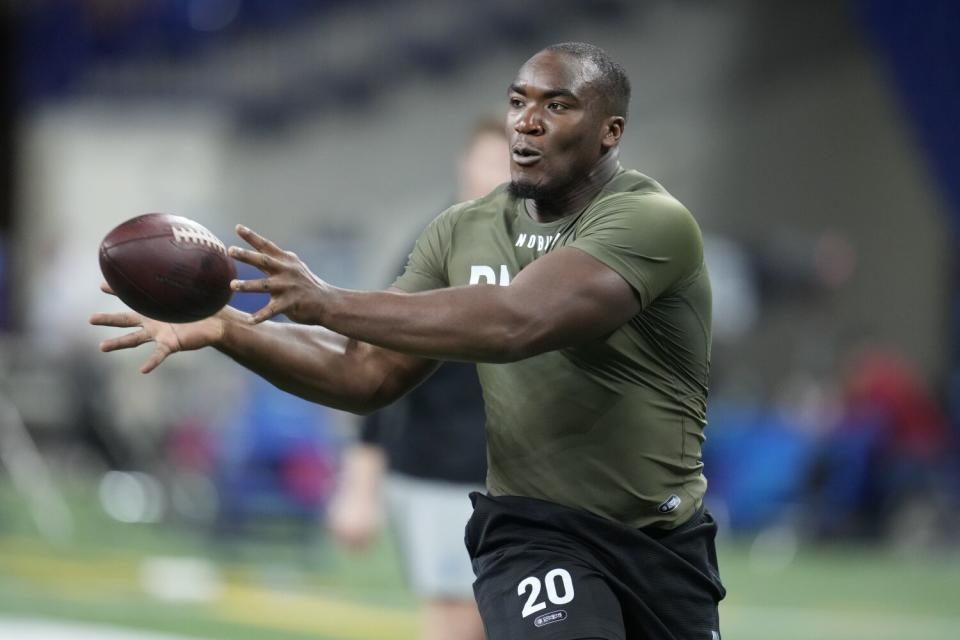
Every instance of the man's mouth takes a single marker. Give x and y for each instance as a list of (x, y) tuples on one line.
[(525, 156)]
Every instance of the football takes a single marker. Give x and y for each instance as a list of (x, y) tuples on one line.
[(167, 267)]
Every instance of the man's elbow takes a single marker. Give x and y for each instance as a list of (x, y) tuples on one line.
[(522, 338), (359, 406), (362, 411), (360, 400), (380, 394)]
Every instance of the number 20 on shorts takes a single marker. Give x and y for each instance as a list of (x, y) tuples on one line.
[(557, 584)]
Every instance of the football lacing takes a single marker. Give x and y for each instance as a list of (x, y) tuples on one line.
[(198, 236)]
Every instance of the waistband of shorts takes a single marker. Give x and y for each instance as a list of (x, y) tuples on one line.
[(535, 508)]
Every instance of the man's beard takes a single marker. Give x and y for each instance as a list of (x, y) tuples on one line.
[(528, 191), (538, 192), (556, 187)]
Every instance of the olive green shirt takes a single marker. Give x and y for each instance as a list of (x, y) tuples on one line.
[(614, 426)]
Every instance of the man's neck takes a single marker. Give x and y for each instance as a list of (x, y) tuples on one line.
[(576, 199)]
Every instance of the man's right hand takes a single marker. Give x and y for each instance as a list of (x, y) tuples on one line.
[(169, 338), (354, 520), (354, 513)]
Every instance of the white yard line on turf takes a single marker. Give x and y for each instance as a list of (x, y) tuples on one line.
[(37, 629), (789, 623)]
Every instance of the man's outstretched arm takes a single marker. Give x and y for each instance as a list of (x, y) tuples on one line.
[(564, 298)]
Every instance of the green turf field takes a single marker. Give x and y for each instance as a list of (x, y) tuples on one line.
[(167, 578)]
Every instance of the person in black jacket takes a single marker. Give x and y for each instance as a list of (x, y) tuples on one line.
[(425, 453)]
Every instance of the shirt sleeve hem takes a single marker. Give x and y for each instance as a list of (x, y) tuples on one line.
[(635, 281)]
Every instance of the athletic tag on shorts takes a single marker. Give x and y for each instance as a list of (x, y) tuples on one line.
[(550, 618)]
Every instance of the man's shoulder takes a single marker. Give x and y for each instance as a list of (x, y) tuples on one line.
[(486, 206), (631, 181), (449, 222), (633, 193)]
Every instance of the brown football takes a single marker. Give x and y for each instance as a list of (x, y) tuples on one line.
[(167, 267)]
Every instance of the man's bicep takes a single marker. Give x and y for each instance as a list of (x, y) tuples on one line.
[(652, 241), (571, 297)]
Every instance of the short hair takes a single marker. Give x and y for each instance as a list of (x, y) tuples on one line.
[(611, 80)]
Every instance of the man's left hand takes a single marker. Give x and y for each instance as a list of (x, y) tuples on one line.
[(294, 290)]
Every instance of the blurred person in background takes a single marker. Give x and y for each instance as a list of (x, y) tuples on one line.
[(884, 467), (590, 318), (431, 445)]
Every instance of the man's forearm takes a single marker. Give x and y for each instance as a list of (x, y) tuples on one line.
[(311, 362), (477, 323)]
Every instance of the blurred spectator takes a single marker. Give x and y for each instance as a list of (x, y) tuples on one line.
[(759, 457), (276, 461), (432, 443), (888, 453), (787, 264)]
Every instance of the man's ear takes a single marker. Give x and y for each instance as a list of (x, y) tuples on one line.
[(613, 131)]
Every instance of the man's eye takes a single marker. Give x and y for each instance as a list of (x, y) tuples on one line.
[(556, 106), (516, 102)]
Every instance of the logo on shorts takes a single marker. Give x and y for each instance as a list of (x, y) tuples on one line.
[(714, 635), (550, 618), (670, 504)]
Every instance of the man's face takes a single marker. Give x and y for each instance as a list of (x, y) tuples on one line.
[(556, 123)]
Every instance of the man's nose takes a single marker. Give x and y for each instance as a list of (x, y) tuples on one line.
[(529, 122)]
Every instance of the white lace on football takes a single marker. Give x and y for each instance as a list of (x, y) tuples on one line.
[(197, 236)]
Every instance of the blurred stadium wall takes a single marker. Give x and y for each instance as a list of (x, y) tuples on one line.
[(329, 126), (775, 122), (816, 142)]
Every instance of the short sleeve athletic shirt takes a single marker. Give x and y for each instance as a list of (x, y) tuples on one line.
[(614, 426)]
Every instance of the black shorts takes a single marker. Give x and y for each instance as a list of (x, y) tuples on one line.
[(550, 572)]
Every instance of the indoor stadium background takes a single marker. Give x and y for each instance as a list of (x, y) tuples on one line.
[(816, 142)]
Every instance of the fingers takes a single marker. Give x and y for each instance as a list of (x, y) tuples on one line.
[(254, 286), (123, 319), (128, 341), (264, 314), (106, 288), (257, 241), (159, 355), (255, 259)]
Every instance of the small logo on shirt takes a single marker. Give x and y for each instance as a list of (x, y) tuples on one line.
[(550, 618), (714, 635), (670, 504), (536, 241)]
